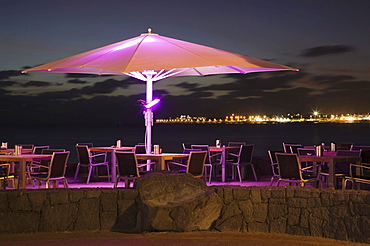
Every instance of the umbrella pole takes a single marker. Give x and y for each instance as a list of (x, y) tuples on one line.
[(148, 112)]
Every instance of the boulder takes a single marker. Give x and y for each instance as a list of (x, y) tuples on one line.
[(176, 202)]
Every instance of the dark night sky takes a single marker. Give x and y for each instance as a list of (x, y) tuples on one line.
[(327, 40)]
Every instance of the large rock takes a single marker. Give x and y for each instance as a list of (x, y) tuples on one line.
[(176, 202)]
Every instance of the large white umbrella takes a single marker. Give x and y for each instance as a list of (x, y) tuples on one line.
[(151, 57)]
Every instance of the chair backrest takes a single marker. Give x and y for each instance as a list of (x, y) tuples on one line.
[(365, 156), (186, 145), (58, 164), (235, 144), (187, 151), (289, 166), (273, 161), (345, 146), (38, 149), (26, 146), (83, 154), (126, 164), (359, 147), (349, 153), (195, 165), (344, 167), (49, 152), (246, 153), (140, 149), (294, 148), (202, 147), (306, 151), (87, 144), (287, 147)]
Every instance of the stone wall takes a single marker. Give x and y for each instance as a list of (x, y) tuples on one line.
[(182, 203)]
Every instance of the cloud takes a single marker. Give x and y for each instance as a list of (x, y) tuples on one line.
[(37, 84), (187, 85), (82, 75), (326, 50), (76, 81), (7, 83), (104, 87), (6, 74)]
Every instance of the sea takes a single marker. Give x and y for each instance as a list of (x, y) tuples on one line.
[(171, 136)]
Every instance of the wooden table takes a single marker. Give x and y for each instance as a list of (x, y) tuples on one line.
[(332, 160), (10, 151), (224, 151), (161, 158), (23, 159), (113, 157)]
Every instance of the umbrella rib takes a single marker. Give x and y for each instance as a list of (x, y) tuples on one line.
[(237, 69)]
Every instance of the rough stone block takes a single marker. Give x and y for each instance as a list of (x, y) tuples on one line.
[(88, 215), (277, 211), (75, 195), (59, 197), (246, 207), (297, 202), (293, 215), (37, 200), (19, 222), (258, 227), (260, 212), (3, 202), (278, 225), (18, 201), (316, 226), (58, 218), (108, 202), (256, 196), (241, 193), (108, 220), (265, 194)]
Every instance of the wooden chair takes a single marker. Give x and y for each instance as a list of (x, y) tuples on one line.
[(244, 158), (87, 159), (56, 170), (291, 172), (127, 167), (195, 164)]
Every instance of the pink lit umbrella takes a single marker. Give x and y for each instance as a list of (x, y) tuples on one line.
[(151, 57)]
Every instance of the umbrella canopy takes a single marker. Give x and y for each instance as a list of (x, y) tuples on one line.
[(151, 57), (150, 51)]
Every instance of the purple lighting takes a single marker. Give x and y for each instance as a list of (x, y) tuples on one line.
[(152, 103)]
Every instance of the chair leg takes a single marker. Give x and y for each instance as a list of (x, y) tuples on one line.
[(108, 173), (89, 174), (127, 183), (239, 173), (272, 180), (76, 173), (65, 183), (116, 182), (210, 174), (254, 172)]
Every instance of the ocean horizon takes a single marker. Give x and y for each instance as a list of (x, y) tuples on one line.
[(171, 136)]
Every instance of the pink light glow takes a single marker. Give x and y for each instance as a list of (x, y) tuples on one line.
[(152, 103)]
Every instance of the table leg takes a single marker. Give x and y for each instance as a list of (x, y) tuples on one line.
[(162, 163), (22, 174), (223, 165), (113, 166), (331, 178)]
